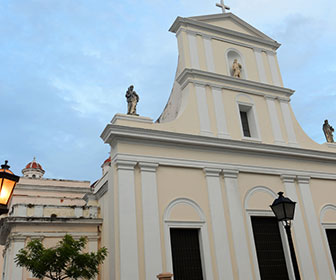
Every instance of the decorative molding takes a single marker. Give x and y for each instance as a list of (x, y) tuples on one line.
[(303, 179), (51, 188), (201, 225), (188, 75), (148, 166), (186, 22), (125, 165), (212, 172), (286, 178), (131, 118), (257, 189), (230, 173)]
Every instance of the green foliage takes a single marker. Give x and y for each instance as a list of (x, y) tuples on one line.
[(65, 261)]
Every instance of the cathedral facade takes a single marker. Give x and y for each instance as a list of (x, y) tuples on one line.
[(189, 194)]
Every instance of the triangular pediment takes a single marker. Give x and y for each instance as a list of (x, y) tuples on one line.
[(231, 22)]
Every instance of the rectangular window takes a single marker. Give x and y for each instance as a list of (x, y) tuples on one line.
[(270, 254), (186, 254), (245, 124), (331, 235)]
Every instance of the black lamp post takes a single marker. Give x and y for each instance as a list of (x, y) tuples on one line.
[(7, 184), (283, 209)]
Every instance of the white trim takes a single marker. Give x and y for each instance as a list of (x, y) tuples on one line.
[(203, 111), (237, 224), (193, 51), (300, 235), (132, 118), (222, 131), (260, 65), (273, 113), (180, 162), (204, 237), (219, 228), (274, 69), (209, 54), (251, 116), (249, 224), (151, 222), (326, 226), (314, 228), (128, 237), (18, 244), (288, 123)]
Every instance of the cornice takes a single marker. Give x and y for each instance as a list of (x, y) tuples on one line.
[(51, 188), (189, 75), (185, 22), (112, 132)]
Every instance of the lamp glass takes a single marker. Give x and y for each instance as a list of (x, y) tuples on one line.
[(279, 211), (289, 209)]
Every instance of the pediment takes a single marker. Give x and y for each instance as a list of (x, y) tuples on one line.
[(231, 22)]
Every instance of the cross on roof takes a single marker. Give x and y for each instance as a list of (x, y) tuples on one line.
[(222, 6)]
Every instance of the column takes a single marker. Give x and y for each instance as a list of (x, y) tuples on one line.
[(300, 236), (128, 237), (237, 224), (93, 247), (222, 131), (222, 248), (193, 51), (273, 113), (208, 54), (314, 227), (203, 111), (260, 65), (151, 220), (288, 122), (18, 243), (274, 69)]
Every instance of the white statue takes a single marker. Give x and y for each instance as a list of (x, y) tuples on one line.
[(236, 68)]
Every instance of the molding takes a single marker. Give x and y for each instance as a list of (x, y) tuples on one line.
[(303, 179), (148, 166), (52, 188), (286, 178), (195, 141), (124, 164), (102, 190), (188, 75), (230, 173), (257, 189), (203, 238), (212, 172), (164, 161), (132, 118), (186, 22)]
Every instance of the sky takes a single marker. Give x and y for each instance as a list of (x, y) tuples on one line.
[(65, 66)]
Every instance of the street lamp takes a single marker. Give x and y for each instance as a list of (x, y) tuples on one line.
[(7, 184), (283, 209)]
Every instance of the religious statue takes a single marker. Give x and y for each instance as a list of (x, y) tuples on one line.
[(132, 101), (328, 131), (236, 68)]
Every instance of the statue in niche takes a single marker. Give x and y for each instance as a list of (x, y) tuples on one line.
[(132, 101), (236, 68), (328, 131)]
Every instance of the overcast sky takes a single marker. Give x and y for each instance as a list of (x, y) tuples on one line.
[(65, 66)]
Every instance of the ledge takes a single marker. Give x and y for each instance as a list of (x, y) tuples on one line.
[(189, 75), (131, 118)]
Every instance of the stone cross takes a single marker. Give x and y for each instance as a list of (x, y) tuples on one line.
[(222, 6)]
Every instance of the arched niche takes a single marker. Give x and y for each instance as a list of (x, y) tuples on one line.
[(231, 55), (183, 209), (328, 214), (259, 198)]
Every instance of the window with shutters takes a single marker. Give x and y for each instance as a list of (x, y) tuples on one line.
[(186, 254), (331, 235), (270, 253)]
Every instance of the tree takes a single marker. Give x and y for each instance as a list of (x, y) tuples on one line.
[(65, 261)]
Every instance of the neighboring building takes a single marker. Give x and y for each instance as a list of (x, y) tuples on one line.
[(190, 193), (46, 209)]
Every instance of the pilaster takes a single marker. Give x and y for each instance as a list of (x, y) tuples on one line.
[(222, 131), (18, 244), (203, 111), (151, 220), (278, 139), (284, 104), (222, 248), (300, 235), (237, 223), (314, 228), (128, 237)]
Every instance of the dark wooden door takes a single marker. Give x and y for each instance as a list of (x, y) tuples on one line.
[(270, 254), (186, 254), (331, 234)]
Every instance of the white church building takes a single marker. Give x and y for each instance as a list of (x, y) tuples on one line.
[(189, 194)]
